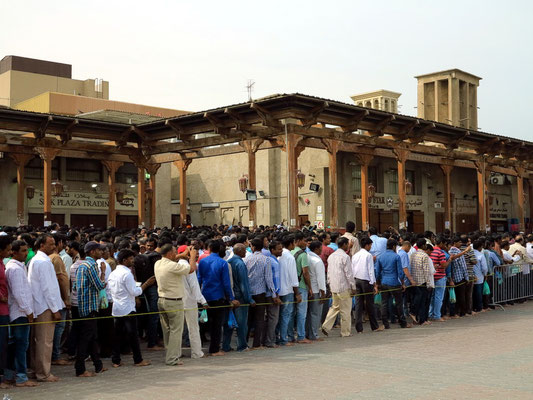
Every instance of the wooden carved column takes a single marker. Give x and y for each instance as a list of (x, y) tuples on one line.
[(447, 167), (47, 155), (293, 152), (112, 167), (140, 162), (530, 198), (481, 193), (364, 161), (251, 147), (152, 169), (332, 147), (21, 160), (520, 171), (182, 166), (401, 156)]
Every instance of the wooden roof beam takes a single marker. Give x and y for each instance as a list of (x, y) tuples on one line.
[(380, 126), (240, 125), (40, 133), (218, 128), (406, 130), (417, 136), (314, 113), (265, 115), (353, 123), (67, 134), (122, 141), (178, 130)]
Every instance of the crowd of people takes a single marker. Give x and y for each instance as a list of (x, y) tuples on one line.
[(68, 295)]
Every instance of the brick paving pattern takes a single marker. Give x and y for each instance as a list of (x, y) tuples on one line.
[(489, 356)]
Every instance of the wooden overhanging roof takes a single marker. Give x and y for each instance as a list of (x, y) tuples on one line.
[(194, 135)]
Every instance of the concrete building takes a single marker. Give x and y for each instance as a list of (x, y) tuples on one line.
[(449, 97), (305, 158), (22, 78)]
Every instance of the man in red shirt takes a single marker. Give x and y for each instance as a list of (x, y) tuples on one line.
[(440, 263), (325, 238)]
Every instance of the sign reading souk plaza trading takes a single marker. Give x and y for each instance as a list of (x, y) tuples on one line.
[(83, 200)]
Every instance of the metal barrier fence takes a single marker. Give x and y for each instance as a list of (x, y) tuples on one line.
[(511, 282)]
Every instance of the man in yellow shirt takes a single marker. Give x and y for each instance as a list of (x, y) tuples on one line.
[(168, 274)]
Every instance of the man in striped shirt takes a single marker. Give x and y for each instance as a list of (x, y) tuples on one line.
[(88, 286), (439, 262)]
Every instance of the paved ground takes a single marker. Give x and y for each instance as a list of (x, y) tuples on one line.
[(489, 356)]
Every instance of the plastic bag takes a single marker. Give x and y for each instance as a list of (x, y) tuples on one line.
[(232, 322), (102, 300), (453, 299), (377, 299), (203, 317), (486, 289)]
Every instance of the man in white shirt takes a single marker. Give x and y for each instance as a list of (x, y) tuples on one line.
[(317, 275), (20, 313), (342, 286), (193, 296), (365, 282), (46, 305), (289, 291), (123, 290)]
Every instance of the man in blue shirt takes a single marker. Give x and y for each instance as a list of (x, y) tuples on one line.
[(241, 290), (390, 275), (275, 250), (261, 283), (213, 277), (379, 244)]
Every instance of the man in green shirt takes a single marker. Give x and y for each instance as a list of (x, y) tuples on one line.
[(302, 269)]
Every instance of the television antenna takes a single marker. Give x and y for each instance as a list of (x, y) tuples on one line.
[(250, 88)]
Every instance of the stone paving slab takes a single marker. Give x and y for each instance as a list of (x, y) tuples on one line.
[(489, 356)]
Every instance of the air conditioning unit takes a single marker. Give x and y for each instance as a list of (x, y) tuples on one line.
[(497, 180)]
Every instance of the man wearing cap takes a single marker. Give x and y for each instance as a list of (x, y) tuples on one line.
[(88, 285)]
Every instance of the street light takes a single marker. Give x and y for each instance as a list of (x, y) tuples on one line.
[(30, 192), (57, 188), (300, 178), (408, 187), (243, 183), (371, 191)]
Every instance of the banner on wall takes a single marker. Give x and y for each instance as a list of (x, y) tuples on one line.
[(83, 200)]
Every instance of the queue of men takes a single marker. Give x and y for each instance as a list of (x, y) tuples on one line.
[(262, 289)]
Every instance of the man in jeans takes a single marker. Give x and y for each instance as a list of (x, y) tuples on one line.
[(289, 291), (342, 285), (144, 269), (64, 287), (302, 269), (389, 273), (261, 282), (241, 290), (439, 263), (88, 286), (365, 282), (317, 273), (123, 290), (20, 313), (5, 250)]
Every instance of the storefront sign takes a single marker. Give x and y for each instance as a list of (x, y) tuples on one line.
[(83, 200), (391, 202)]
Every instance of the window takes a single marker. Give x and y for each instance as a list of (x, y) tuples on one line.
[(126, 174), (393, 181), (356, 178), (373, 179), (84, 170), (35, 169)]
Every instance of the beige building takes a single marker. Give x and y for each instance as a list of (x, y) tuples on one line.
[(449, 97), (384, 100), (22, 78)]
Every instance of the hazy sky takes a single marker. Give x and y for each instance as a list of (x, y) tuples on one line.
[(199, 55)]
